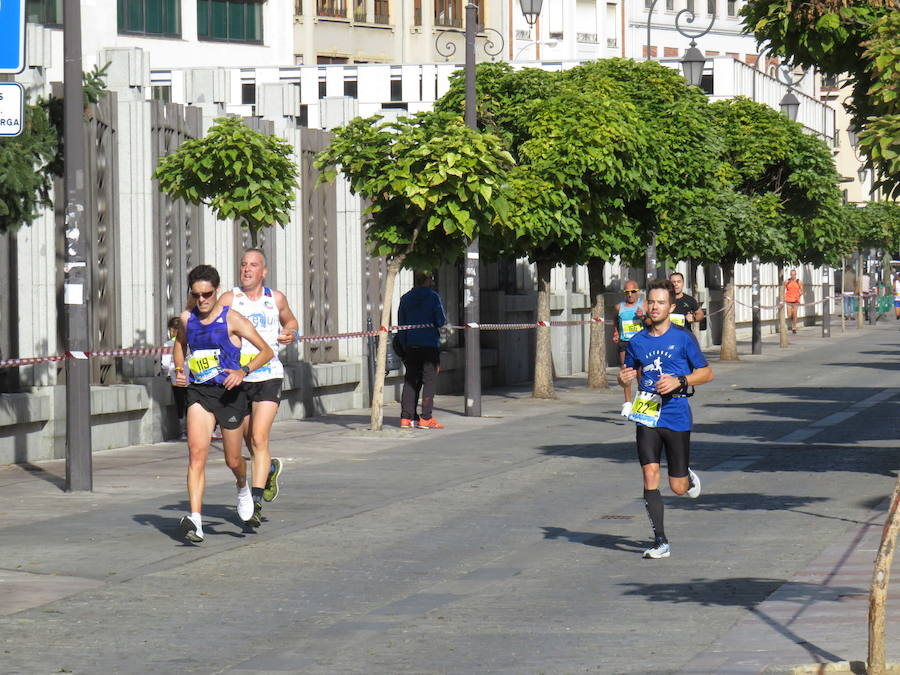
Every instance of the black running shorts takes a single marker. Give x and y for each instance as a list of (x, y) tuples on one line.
[(228, 405), (652, 440), (267, 390)]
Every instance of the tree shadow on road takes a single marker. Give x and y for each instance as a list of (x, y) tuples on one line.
[(749, 592)]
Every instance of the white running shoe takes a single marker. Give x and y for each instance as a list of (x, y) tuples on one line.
[(693, 491), (659, 550), (192, 531), (626, 409), (245, 503)]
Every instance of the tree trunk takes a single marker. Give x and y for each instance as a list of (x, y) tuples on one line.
[(782, 311), (254, 236), (728, 351), (597, 350), (543, 358), (880, 579), (377, 421)]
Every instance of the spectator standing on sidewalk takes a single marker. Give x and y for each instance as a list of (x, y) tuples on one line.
[(167, 368), (629, 322), (420, 351), (793, 290)]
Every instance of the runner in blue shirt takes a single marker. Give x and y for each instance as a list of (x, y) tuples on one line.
[(666, 360)]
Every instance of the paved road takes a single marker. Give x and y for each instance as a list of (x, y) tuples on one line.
[(507, 544)]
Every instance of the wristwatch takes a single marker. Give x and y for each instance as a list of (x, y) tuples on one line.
[(683, 380), (246, 369)]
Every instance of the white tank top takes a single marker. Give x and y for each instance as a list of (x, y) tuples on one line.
[(264, 315)]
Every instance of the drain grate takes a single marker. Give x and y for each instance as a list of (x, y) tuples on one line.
[(615, 516)]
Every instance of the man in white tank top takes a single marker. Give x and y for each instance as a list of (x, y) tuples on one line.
[(273, 319)]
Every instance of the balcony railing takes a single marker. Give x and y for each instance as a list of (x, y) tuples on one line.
[(332, 8), (590, 38), (612, 42), (382, 19)]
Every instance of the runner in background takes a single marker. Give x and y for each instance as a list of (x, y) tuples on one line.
[(687, 310), (272, 317), (629, 322), (897, 295), (793, 291)]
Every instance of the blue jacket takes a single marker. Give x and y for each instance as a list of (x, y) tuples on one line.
[(421, 305)]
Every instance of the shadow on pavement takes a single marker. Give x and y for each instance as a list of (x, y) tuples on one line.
[(749, 592), (613, 542), (172, 529), (43, 474), (879, 365), (744, 501)]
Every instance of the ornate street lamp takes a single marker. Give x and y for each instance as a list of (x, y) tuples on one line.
[(853, 136), (531, 9), (790, 105), (692, 64)]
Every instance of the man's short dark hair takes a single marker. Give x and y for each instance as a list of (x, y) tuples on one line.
[(203, 273), (174, 323), (421, 278), (261, 252), (678, 273), (664, 284)]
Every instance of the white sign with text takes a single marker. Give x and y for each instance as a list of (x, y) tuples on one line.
[(12, 108)]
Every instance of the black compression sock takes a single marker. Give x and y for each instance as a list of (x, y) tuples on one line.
[(654, 503), (257, 494)]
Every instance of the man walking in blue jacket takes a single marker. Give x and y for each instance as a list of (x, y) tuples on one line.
[(420, 351)]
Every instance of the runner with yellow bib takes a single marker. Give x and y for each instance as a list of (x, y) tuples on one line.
[(629, 322), (272, 317), (687, 310), (211, 333), (667, 363)]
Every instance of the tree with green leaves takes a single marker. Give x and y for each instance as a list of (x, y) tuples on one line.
[(238, 172), (781, 200), (584, 201), (854, 37), (432, 184)]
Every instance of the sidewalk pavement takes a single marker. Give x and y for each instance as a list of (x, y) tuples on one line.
[(819, 612)]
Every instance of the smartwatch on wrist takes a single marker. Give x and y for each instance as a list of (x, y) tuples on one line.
[(246, 369), (683, 380)]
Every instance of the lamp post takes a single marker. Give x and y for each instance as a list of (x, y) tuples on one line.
[(692, 65), (790, 105), (756, 325)]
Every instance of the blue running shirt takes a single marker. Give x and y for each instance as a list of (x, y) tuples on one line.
[(211, 349), (675, 353)]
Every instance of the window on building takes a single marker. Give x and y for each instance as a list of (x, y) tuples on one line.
[(335, 8), (383, 12), (351, 88), (732, 8), (448, 13), (359, 11), (417, 12), (150, 17), (711, 7), (690, 5), (670, 5), (396, 90), (162, 92), (830, 82), (647, 4), (230, 20), (248, 93), (298, 7), (44, 12)]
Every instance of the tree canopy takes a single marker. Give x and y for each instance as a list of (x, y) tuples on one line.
[(854, 37), (236, 171)]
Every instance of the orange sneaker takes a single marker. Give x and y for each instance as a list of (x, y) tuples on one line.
[(430, 423), (406, 424)]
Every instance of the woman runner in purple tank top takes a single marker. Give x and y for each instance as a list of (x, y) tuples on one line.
[(207, 361)]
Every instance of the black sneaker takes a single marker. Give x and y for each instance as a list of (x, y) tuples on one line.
[(189, 528), (256, 519)]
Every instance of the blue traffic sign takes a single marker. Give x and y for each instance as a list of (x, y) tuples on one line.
[(12, 36)]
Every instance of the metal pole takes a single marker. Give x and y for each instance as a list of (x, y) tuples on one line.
[(826, 304), (471, 287), (650, 262), (756, 329), (76, 289), (372, 347)]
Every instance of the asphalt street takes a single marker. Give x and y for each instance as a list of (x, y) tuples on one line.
[(505, 544)]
